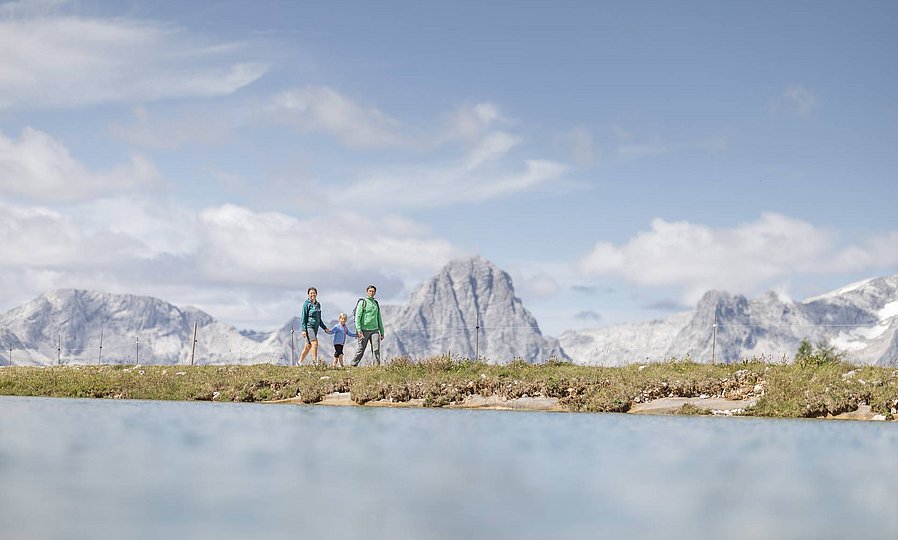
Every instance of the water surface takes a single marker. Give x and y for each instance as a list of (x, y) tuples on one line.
[(151, 469)]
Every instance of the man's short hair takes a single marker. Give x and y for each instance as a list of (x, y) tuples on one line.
[(311, 289), (371, 287)]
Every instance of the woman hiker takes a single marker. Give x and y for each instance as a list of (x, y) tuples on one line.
[(310, 323)]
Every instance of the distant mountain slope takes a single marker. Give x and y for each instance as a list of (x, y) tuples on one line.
[(860, 319), (442, 316), (72, 321)]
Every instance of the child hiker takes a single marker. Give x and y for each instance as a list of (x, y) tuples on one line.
[(340, 331)]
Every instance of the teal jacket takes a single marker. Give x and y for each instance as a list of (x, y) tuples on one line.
[(311, 316), (367, 316)]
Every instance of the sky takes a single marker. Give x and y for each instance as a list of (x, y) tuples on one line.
[(617, 159)]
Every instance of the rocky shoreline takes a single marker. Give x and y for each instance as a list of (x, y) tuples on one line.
[(661, 406), (758, 389)]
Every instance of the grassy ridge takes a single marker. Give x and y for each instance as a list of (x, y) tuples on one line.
[(782, 390)]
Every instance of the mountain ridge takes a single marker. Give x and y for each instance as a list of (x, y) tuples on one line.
[(71, 325), (860, 319), (442, 316)]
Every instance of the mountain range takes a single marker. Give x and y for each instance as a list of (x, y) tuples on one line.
[(442, 316), (859, 320), (467, 309)]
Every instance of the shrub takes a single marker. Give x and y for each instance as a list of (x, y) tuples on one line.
[(825, 354)]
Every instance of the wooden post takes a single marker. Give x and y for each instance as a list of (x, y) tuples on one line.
[(292, 347), (100, 355), (193, 346), (477, 339)]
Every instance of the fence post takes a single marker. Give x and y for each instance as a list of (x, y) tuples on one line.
[(193, 345), (477, 339), (292, 347)]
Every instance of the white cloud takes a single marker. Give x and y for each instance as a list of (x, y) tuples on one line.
[(798, 100), (57, 60), (322, 109), (169, 132), (493, 146), (44, 240), (237, 244), (471, 122), (584, 148), (483, 171), (744, 258), (238, 264), (541, 285), (431, 187), (38, 167), (657, 147)]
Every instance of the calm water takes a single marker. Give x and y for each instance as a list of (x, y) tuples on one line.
[(141, 469)]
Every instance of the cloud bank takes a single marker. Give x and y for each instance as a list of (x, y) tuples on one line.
[(743, 258), (56, 60)]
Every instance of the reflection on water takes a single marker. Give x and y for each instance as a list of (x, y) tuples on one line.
[(143, 469)]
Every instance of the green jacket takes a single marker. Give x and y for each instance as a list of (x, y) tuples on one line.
[(367, 316)]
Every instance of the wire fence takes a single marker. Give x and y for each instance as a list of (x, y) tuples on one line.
[(285, 347)]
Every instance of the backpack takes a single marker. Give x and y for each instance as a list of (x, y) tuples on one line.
[(364, 305)]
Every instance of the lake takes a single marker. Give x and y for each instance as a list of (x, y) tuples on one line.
[(148, 469)]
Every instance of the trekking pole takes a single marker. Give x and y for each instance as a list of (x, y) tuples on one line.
[(714, 341), (100, 354), (292, 346)]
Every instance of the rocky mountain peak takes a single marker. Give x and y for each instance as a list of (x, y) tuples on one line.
[(444, 313)]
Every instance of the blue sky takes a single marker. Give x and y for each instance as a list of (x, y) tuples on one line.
[(618, 159)]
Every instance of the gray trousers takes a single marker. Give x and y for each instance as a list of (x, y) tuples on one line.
[(364, 337)]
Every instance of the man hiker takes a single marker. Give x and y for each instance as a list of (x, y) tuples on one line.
[(369, 326)]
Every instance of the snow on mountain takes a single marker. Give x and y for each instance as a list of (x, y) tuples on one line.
[(860, 319), (67, 325)]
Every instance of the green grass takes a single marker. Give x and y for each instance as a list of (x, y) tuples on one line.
[(781, 390)]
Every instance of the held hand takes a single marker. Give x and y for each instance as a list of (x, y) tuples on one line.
[(304, 333)]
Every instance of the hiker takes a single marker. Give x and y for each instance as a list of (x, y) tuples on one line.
[(311, 322), (340, 331), (368, 325)]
